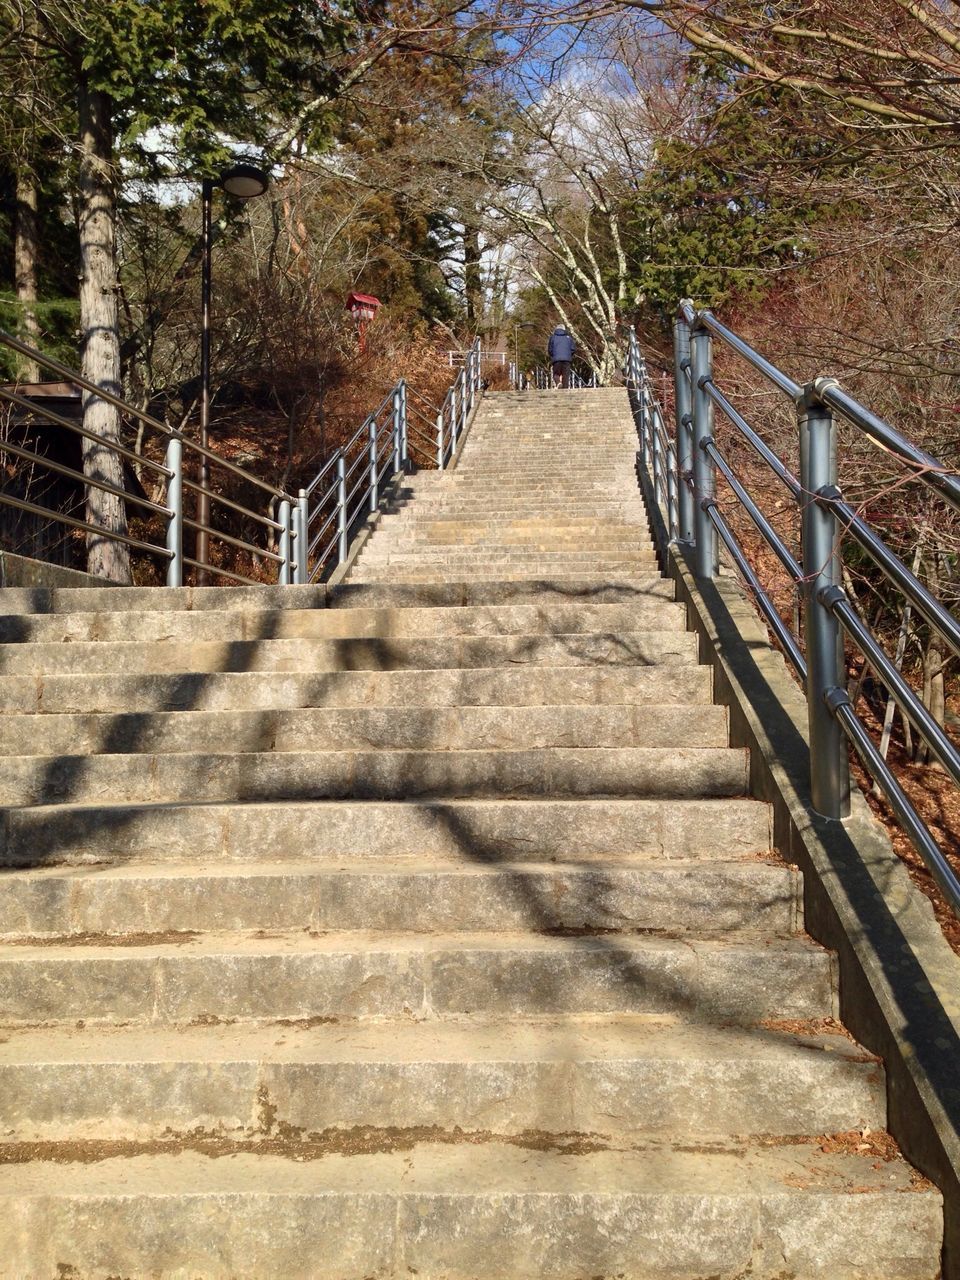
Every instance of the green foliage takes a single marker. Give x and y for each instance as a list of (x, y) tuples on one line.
[(205, 72), (58, 319), (723, 216)]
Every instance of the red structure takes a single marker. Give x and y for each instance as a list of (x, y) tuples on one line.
[(363, 307)]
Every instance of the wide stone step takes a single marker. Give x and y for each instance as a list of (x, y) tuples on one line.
[(452, 556), (296, 976), (626, 648), (82, 599), (284, 624), (469, 830), (623, 1075), (421, 728), (492, 588), (436, 538), (463, 1209), (396, 775), (262, 691), (416, 895), (586, 589), (412, 572)]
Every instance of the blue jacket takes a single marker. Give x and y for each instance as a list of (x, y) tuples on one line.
[(561, 346)]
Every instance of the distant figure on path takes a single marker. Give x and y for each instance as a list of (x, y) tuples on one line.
[(560, 349)]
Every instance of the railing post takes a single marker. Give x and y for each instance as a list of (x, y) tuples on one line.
[(373, 481), (683, 402), (174, 464), (672, 483), (829, 764), (704, 472), (284, 517), (342, 506), (403, 422), (440, 439), (656, 452), (396, 430), (301, 519), (454, 415)]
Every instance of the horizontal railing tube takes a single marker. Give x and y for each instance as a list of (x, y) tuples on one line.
[(770, 535), (748, 433), (894, 568), (910, 705), (776, 623), (924, 465), (907, 816)]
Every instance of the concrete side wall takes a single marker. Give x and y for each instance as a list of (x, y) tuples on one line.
[(899, 980), (20, 571)]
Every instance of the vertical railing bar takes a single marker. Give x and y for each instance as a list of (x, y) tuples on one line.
[(683, 408), (341, 506), (174, 500), (374, 478), (283, 574), (704, 473), (301, 548), (829, 767)]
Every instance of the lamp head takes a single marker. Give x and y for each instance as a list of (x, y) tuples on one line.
[(244, 181)]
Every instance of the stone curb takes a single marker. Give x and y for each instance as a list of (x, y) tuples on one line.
[(899, 979)]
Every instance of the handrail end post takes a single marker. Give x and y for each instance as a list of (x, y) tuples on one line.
[(302, 524), (283, 575), (706, 543), (174, 463), (820, 538)]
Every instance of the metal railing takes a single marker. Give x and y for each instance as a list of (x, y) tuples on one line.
[(351, 484), (682, 466), (298, 537), (540, 378)]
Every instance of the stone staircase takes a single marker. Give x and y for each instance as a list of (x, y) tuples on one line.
[(433, 933)]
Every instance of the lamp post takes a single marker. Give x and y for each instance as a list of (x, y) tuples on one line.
[(243, 182)]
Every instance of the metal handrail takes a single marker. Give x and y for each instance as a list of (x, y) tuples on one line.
[(350, 481), (696, 521), (171, 470), (356, 473)]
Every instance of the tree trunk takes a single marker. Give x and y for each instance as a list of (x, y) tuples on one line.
[(25, 268), (106, 557), (472, 283)]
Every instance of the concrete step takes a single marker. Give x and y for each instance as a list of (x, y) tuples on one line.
[(411, 573), (472, 831), (374, 774), (432, 538), (410, 728), (603, 589), (265, 691), (157, 599), (591, 559), (332, 975), (624, 648), (605, 1076), (418, 895), (468, 1208), (286, 624)]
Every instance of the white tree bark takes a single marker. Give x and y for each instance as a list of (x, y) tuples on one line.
[(25, 268), (106, 557)]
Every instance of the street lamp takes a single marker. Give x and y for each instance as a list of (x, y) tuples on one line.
[(243, 182)]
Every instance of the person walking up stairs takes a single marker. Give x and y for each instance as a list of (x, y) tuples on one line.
[(430, 933)]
